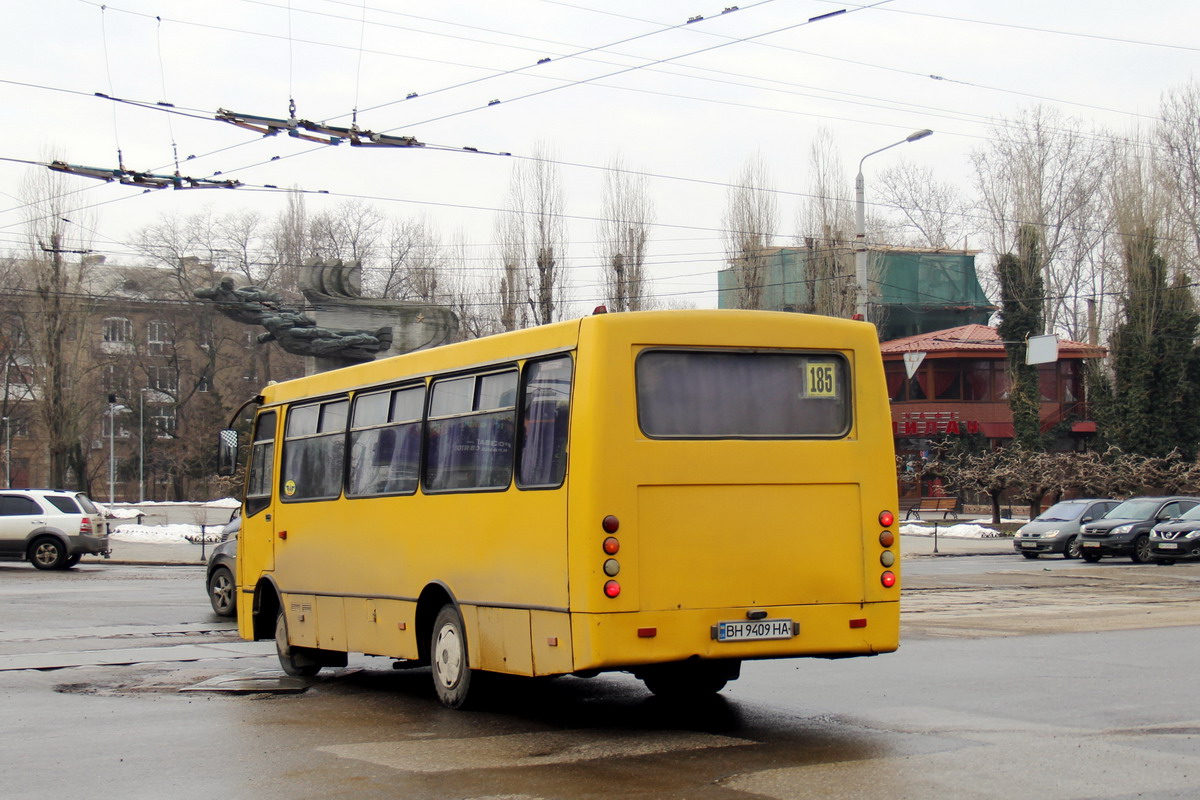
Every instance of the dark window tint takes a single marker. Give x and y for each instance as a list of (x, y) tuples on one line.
[(385, 442), (18, 506), (86, 504), (710, 394), (64, 504), (470, 440), (314, 451), (262, 462), (544, 423)]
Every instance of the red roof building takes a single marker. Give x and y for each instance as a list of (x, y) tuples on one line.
[(961, 387)]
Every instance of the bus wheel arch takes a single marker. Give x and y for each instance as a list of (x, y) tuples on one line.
[(267, 605), (433, 598)]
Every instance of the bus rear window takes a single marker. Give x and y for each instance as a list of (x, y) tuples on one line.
[(737, 395)]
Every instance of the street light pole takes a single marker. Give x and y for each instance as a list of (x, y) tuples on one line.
[(142, 445), (862, 296), (112, 423), (7, 452)]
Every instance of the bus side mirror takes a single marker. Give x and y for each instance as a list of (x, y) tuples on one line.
[(227, 452)]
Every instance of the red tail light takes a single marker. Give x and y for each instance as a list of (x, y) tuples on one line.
[(85, 525), (886, 518), (610, 524), (888, 579), (612, 588)]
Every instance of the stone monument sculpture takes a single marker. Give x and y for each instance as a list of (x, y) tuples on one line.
[(337, 326)]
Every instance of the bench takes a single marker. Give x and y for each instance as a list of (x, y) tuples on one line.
[(947, 505)]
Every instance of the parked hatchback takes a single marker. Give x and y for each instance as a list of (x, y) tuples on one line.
[(50, 529), (1056, 530), (1126, 529), (1177, 540)]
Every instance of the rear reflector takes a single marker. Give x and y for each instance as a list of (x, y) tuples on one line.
[(858, 623), (647, 633)]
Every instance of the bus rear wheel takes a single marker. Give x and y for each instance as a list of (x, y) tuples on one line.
[(689, 679), (448, 658)]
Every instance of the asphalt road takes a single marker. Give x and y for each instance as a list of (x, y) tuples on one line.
[(1091, 700)]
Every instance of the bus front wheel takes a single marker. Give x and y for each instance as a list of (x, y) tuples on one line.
[(448, 658), (295, 661)]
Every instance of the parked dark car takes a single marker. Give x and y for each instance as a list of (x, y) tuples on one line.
[(1177, 540), (220, 577), (1056, 530), (1126, 529)]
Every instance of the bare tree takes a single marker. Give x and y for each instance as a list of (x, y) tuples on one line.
[(290, 243), (1045, 170), (931, 213), (56, 317), (470, 297), (751, 217), (414, 263), (824, 219), (351, 231), (622, 234), (1178, 134), (238, 242), (534, 239)]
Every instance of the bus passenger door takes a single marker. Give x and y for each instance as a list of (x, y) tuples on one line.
[(256, 545)]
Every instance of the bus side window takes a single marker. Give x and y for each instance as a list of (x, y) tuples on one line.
[(262, 462), (385, 442), (470, 439), (314, 451), (545, 417)]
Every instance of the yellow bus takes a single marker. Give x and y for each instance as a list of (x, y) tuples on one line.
[(665, 493)]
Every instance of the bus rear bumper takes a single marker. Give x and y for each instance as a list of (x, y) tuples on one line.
[(618, 640)]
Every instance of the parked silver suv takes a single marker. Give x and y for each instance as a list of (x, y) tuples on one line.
[(50, 529)]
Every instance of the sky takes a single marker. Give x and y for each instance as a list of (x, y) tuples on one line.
[(687, 103)]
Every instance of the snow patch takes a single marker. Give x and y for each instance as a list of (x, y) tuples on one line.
[(165, 534), (962, 530)]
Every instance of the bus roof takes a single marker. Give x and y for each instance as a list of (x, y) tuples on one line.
[(687, 326)]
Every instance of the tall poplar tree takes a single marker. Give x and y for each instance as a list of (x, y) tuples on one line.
[(1155, 402), (1021, 316)]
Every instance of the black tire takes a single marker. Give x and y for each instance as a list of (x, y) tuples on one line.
[(448, 658), (222, 592), (1140, 553), (46, 552), (1091, 558), (685, 681), (1071, 548), (295, 661), (73, 560), (1030, 555)]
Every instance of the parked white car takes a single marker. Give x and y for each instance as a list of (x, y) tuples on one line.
[(50, 529)]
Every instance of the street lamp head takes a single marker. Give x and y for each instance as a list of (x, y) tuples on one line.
[(921, 134)]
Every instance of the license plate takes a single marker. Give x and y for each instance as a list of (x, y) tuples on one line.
[(1029, 544), (755, 630), (1168, 545), (1089, 544)]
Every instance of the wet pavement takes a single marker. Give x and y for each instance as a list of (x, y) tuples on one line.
[(117, 680)]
